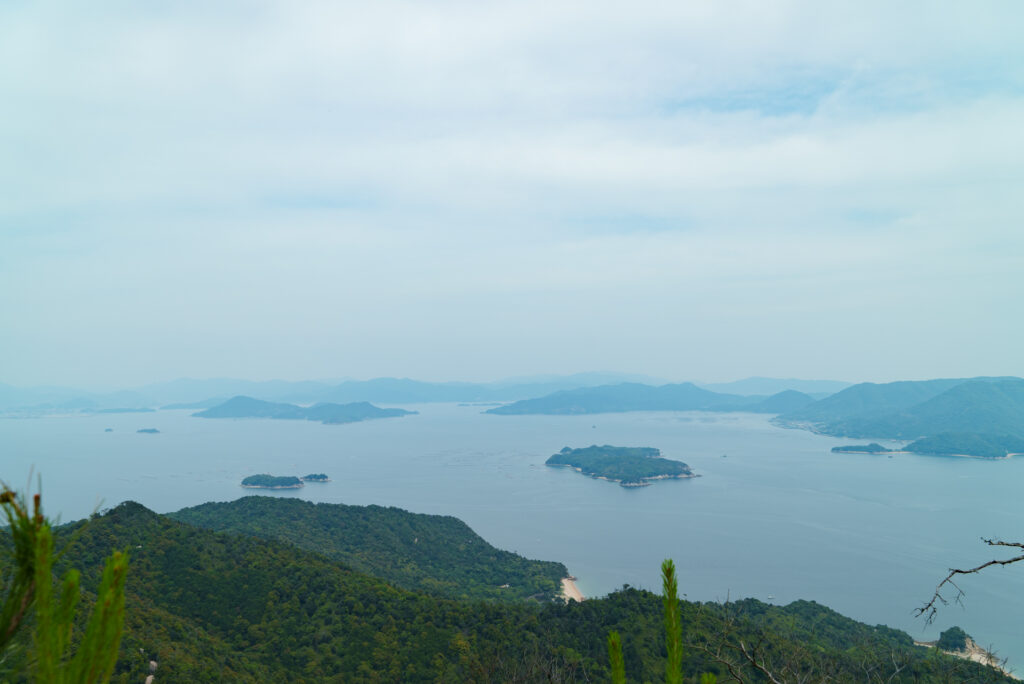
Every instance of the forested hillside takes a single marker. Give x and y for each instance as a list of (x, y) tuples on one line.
[(212, 607), (438, 555)]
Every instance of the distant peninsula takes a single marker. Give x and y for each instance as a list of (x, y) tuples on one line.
[(629, 466), (265, 481), (873, 448), (965, 444), (329, 414)]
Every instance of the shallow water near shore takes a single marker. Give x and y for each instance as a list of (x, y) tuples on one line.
[(773, 513)]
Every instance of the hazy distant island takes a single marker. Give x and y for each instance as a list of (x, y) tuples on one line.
[(147, 431), (631, 396), (873, 448), (264, 481), (329, 414), (315, 477), (629, 466), (967, 444)]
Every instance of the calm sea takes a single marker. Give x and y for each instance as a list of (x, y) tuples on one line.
[(774, 515)]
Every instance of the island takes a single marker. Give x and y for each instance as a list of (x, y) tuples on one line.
[(965, 444), (629, 466), (264, 481), (148, 431), (315, 477), (873, 448), (329, 414), (970, 444)]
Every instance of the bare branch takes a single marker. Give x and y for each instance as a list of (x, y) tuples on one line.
[(931, 608)]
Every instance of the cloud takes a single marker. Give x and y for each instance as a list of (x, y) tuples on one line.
[(209, 167)]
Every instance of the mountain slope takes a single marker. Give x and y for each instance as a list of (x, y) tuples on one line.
[(626, 397), (215, 607), (435, 554), (909, 410)]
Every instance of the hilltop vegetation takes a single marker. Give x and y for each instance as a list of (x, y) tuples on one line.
[(331, 414), (272, 481), (215, 607), (629, 466), (438, 555)]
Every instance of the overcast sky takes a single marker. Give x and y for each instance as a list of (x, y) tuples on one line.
[(475, 190)]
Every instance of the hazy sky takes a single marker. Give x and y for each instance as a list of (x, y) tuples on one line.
[(472, 190)]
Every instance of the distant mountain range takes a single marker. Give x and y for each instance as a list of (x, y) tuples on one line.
[(984, 412), (637, 397), (195, 394), (769, 386), (911, 410), (330, 414)]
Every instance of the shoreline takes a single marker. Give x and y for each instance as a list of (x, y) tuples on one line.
[(975, 653), (570, 591), (298, 486)]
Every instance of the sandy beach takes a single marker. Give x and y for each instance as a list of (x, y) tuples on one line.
[(570, 591), (973, 652)]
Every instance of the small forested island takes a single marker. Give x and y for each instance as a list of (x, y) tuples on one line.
[(873, 448), (315, 477), (629, 466), (265, 481), (148, 431)]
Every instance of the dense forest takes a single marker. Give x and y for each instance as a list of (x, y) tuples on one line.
[(626, 465), (211, 607), (272, 481), (435, 554)]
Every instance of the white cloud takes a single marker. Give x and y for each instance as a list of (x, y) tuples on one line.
[(206, 168)]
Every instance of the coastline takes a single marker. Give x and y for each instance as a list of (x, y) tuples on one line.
[(570, 590), (975, 653), (642, 482), (298, 486)]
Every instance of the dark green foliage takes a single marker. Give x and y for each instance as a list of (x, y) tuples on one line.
[(435, 554), (315, 477), (873, 448), (953, 639), (968, 444), (212, 607), (334, 414), (628, 465), (272, 481), (616, 664), (673, 627), (58, 655)]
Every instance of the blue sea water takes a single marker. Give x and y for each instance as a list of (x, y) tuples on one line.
[(774, 513)]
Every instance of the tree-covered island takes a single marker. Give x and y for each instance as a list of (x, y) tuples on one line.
[(873, 448), (315, 477), (629, 466), (264, 481)]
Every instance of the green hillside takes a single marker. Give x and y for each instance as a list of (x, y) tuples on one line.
[(215, 607), (911, 410), (438, 555)]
